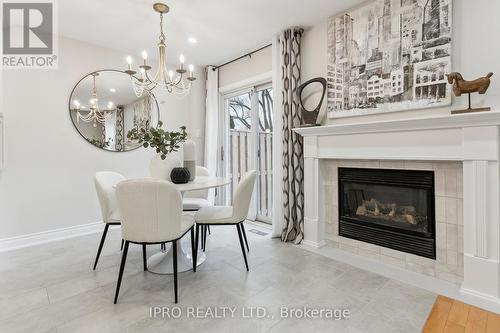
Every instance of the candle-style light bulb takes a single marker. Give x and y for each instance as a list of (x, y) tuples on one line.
[(181, 60), (191, 70), (77, 104), (144, 56), (129, 62), (171, 74)]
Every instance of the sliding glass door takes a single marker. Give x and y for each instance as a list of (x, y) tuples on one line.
[(247, 145)]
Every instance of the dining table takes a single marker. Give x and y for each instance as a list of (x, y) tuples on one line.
[(161, 262)]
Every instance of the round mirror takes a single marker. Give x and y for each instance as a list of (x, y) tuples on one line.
[(104, 108)]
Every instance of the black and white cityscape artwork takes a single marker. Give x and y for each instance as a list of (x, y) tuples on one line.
[(389, 55)]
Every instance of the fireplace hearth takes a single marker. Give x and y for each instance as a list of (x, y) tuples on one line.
[(388, 207)]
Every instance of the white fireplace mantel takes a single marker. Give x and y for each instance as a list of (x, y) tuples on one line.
[(471, 138)]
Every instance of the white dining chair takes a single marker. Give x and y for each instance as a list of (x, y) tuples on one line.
[(195, 200), (229, 215), (151, 213), (105, 182)]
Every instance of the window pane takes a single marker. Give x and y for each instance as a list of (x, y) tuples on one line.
[(265, 110), (240, 116)]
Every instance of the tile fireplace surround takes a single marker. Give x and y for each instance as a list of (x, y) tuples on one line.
[(448, 265), (463, 151)]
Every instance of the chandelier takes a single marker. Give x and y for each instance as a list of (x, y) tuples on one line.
[(93, 113), (178, 83)]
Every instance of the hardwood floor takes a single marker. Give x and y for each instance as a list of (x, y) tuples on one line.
[(449, 315)]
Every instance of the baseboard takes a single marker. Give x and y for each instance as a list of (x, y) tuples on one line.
[(263, 225), (480, 300), (13, 243), (311, 244), (412, 278)]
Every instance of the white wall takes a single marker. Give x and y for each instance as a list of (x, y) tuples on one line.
[(47, 181), (248, 67), (475, 54)]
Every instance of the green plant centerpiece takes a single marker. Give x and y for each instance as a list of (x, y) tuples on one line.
[(163, 141)]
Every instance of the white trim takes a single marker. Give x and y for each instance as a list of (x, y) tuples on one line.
[(415, 279), (491, 118), (247, 83), (262, 225), (480, 300), (13, 243), (312, 244)]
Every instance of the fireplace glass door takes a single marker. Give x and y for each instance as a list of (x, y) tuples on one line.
[(391, 208)]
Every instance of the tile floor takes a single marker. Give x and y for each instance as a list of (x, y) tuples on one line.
[(52, 288)]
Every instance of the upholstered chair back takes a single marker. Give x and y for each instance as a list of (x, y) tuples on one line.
[(151, 210), (243, 196), (200, 194), (105, 182)]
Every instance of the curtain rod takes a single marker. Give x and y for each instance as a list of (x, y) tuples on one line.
[(249, 54)]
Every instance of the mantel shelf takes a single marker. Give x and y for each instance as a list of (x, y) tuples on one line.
[(477, 119)]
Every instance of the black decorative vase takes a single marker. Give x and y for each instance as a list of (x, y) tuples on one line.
[(180, 175)]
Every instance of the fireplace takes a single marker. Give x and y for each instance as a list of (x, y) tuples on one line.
[(390, 208)]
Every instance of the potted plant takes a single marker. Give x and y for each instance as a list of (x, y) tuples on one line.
[(165, 143), (156, 137)]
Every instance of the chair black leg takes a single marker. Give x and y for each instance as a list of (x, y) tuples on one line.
[(144, 262), (101, 244), (121, 246), (174, 248), (244, 235), (205, 237), (208, 228), (242, 245), (122, 267), (193, 256), (202, 240)]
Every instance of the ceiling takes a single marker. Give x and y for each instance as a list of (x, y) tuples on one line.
[(224, 29)]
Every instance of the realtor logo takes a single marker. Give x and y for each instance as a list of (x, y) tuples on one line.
[(28, 35)]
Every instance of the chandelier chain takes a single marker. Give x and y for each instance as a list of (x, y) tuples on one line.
[(162, 35)]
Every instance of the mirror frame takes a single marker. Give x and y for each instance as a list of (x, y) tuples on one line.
[(76, 128)]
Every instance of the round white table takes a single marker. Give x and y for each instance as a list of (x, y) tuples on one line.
[(162, 261)]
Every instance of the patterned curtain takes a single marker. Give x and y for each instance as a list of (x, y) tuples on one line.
[(293, 161), (120, 130)]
